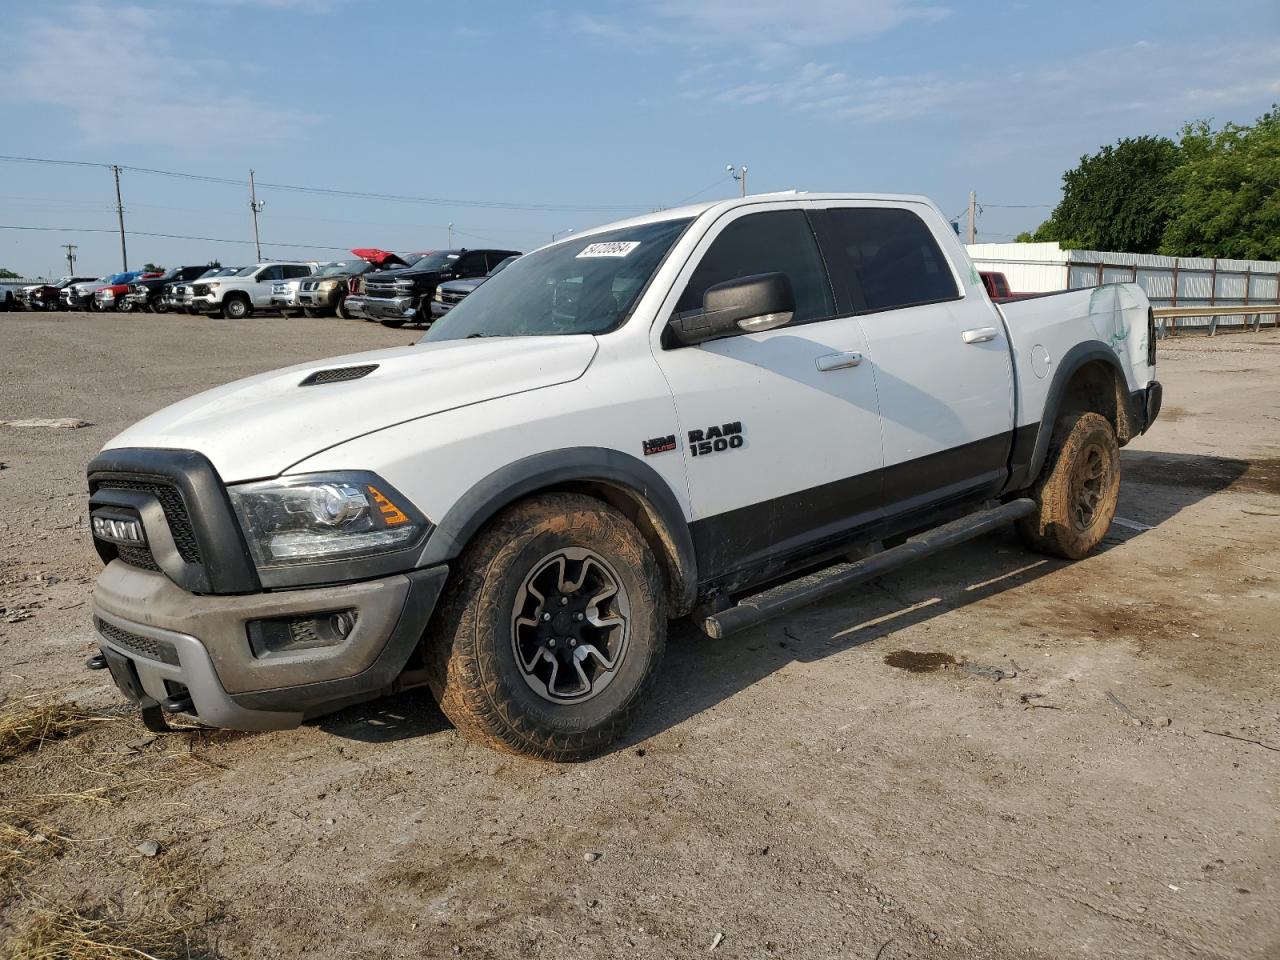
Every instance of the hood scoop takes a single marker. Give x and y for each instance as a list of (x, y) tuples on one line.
[(338, 374)]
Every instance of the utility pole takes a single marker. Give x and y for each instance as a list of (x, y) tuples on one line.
[(739, 174), (124, 253), (973, 217), (256, 206), (451, 236), (71, 259)]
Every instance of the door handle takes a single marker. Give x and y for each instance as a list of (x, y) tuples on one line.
[(980, 335), (839, 361)]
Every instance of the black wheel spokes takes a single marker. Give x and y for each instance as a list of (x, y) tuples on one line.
[(1091, 481), (570, 626)]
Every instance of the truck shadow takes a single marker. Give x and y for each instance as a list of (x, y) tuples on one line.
[(698, 673)]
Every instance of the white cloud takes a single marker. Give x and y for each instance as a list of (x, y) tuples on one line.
[(114, 70), (809, 23), (1149, 87)]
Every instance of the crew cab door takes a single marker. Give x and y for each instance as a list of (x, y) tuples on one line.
[(937, 349), (779, 429)]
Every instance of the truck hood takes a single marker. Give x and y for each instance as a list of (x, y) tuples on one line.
[(260, 426)]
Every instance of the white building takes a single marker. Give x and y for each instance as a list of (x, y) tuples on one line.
[(1168, 281)]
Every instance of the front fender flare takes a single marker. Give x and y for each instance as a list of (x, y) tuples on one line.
[(560, 468)]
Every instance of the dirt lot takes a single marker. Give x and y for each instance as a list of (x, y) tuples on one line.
[(811, 789)]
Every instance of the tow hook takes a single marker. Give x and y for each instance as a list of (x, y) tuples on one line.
[(96, 662)]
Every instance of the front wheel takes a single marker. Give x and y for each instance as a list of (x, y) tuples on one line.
[(235, 308), (340, 309), (1077, 491), (549, 638)]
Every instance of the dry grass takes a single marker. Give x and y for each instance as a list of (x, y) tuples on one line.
[(69, 935), (29, 722)]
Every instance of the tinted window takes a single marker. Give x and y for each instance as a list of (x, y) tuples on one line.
[(884, 258), (779, 241), (298, 271), (471, 265)]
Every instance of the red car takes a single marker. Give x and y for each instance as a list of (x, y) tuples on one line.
[(115, 297)]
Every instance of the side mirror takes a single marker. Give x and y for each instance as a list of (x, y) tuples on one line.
[(752, 304)]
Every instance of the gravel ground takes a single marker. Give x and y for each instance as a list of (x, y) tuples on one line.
[(826, 786)]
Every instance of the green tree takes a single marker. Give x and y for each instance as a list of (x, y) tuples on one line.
[(151, 268), (9, 274), (1224, 199), (1114, 199)]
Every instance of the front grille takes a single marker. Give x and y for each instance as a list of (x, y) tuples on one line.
[(161, 650), (386, 288), (200, 289), (175, 512), (137, 557), (452, 296)]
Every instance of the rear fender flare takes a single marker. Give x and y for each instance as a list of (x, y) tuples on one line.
[(1023, 468)]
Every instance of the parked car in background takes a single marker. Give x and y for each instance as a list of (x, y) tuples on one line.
[(115, 296), (325, 293), (284, 296), (449, 294), (146, 293), (178, 296), (9, 296), (46, 296), (397, 297), (79, 296), (241, 293)]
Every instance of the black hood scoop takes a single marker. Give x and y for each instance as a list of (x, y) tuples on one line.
[(338, 375)]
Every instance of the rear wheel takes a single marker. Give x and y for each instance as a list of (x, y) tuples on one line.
[(1077, 491), (549, 638), (235, 308)]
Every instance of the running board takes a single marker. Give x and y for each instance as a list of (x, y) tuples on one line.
[(776, 601)]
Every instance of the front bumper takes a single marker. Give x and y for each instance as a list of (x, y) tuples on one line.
[(207, 303), (396, 308), (318, 299), (162, 641), (138, 299)]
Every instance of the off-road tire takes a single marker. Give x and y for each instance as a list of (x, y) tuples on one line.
[(236, 308), (472, 667), (1077, 490), (340, 309)]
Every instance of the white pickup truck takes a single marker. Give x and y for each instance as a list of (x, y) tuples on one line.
[(677, 414)]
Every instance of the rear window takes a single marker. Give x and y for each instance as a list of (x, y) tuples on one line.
[(884, 258)]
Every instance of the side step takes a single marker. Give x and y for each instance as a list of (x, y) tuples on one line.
[(791, 596)]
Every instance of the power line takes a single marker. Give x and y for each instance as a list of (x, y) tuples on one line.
[(350, 194), (169, 236)]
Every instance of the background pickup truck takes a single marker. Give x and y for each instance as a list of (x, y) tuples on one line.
[(397, 297), (675, 415)]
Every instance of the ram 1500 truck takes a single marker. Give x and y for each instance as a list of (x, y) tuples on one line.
[(676, 414)]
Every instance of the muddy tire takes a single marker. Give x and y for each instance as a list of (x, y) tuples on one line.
[(1077, 491), (550, 632)]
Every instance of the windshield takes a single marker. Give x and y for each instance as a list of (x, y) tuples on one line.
[(435, 260), (587, 285)]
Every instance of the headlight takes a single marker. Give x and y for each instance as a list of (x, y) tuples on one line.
[(439, 297), (329, 284), (318, 518)]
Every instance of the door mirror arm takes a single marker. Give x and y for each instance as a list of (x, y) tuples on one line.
[(752, 304)]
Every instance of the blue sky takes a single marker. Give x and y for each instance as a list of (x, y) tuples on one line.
[(584, 112)]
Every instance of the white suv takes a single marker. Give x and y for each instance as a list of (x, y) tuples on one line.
[(244, 291)]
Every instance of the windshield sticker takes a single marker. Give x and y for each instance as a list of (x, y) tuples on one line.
[(616, 248)]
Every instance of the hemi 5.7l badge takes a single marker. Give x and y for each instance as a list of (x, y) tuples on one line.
[(715, 439), (659, 445)]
